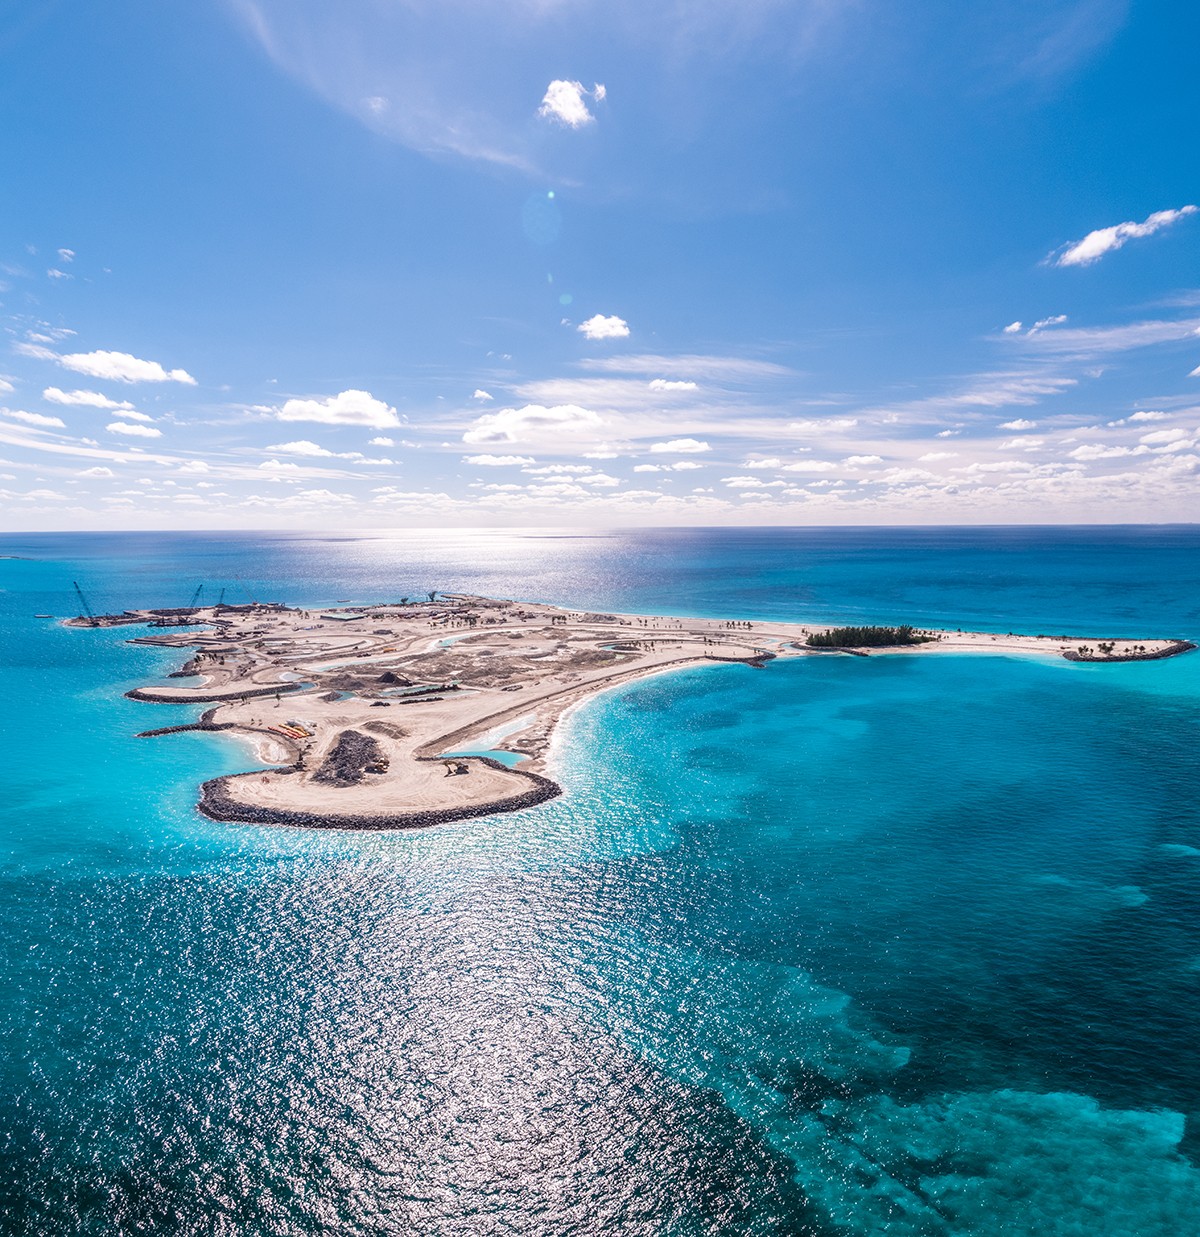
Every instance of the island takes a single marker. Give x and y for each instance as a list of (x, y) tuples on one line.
[(416, 713)]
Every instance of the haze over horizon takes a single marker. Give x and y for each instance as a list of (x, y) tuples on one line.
[(271, 265)]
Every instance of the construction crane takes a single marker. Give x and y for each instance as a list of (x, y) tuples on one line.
[(220, 600), (191, 605), (93, 621), (253, 601)]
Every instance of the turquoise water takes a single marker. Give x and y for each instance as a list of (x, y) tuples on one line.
[(902, 945), (511, 759)]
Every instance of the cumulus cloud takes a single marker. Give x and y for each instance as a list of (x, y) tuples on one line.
[(484, 397), (346, 408), (1105, 240), (497, 461), (666, 384), (534, 422), (600, 327), (564, 103), (98, 471), (1012, 328), (85, 399), (679, 446), (1019, 424), (133, 431), (382, 442), (121, 367), (36, 418), (1161, 436), (300, 447)]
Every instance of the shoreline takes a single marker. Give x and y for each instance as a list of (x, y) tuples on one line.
[(353, 708)]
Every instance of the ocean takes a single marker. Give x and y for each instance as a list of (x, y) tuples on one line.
[(886, 945)]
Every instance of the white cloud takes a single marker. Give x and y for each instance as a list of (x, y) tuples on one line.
[(55, 273), (678, 466), (121, 367), (1105, 240), (1042, 323), (1194, 373), (382, 442), (1159, 436), (600, 327), (1147, 416), (98, 471), (833, 425), (1019, 424), (1097, 451), (85, 399), (712, 368), (679, 446), (36, 418), (857, 461), (5, 385), (301, 447), (346, 408), (37, 351), (484, 397), (564, 102), (1012, 328), (133, 431), (929, 456), (666, 384), (534, 422), (497, 461)]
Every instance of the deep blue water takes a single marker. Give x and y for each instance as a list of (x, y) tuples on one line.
[(844, 946)]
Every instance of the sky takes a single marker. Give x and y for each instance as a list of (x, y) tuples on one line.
[(397, 263)]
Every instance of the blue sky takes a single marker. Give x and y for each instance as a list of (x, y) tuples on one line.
[(381, 263)]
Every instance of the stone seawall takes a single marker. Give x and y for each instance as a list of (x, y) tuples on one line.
[(149, 696), (1172, 650), (200, 725), (218, 803)]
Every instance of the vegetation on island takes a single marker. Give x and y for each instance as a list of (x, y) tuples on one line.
[(867, 637)]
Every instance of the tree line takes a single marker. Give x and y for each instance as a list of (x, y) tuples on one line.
[(866, 637)]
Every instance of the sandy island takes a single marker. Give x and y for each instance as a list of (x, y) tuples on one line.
[(357, 707)]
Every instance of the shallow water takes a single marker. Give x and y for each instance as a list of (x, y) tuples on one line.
[(885, 945)]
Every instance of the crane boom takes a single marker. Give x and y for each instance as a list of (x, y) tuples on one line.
[(191, 605), (93, 621)]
